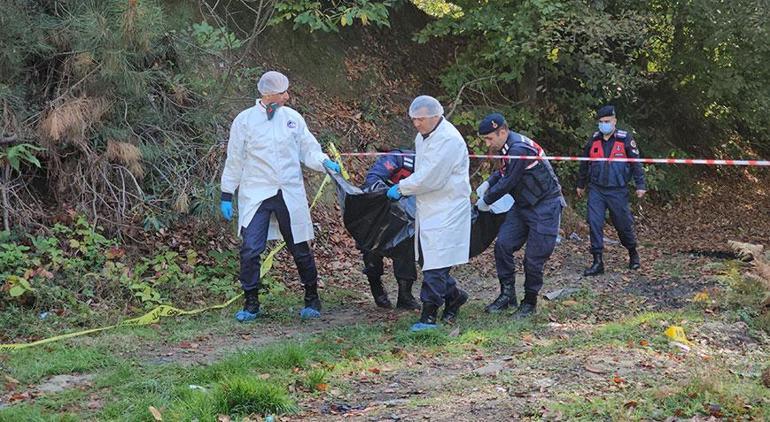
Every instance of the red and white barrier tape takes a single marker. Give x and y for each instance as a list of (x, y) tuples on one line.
[(690, 161)]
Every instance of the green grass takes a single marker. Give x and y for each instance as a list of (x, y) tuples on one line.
[(744, 297), (279, 358), (34, 413), (258, 380), (669, 267), (32, 364), (242, 395), (316, 379), (716, 393)]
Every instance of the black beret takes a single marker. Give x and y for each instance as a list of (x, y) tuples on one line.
[(608, 110), (491, 123)]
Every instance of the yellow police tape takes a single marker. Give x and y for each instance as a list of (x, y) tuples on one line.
[(164, 311)]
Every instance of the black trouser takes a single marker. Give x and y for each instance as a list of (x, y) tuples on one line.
[(403, 262), (616, 201), (255, 240)]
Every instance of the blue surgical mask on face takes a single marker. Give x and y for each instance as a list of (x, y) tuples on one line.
[(606, 127)]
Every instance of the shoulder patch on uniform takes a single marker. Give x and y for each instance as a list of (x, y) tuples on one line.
[(621, 134), (291, 124)]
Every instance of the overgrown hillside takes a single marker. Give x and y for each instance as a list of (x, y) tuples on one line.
[(119, 110)]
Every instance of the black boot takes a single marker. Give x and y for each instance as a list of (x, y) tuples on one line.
[(312, 307), (453, 304), (427, 318), (405, 298), (378, 293), (250, 309), (528, 306), (634, 262), (507, 298), (251, 301), (597, 267)]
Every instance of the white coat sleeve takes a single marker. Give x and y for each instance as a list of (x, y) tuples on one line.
[(231, 175), (310, 152), (433, 171)]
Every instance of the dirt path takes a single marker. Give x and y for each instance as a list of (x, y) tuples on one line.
[(516, 384), (210, 347), (624, 289)]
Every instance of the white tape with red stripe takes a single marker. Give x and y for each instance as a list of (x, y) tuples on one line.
[(690, 161)]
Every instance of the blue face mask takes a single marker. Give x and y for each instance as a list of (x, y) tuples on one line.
[(606, 127)]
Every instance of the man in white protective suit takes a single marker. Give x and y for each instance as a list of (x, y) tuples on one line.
[(268, 143), (443, 223)]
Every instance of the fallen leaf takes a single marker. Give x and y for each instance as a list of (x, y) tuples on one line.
[(677, 334), (715, 410), (189, 345), (115, 253), (594, 370), (155, 413), (682, 346), (374, 370), (644, 343), (630, 404), (701, 297), (618, 380), (322, 387), (264, 376), (19, 397), (95, 404), (223, 418)]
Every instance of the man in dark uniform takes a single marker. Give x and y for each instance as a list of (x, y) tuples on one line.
[(608, 187), (534, 218), (387, 171)]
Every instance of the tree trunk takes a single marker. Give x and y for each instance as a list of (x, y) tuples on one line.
[(6, 205)]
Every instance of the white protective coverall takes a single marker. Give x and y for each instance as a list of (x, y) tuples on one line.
[(442, 189), (264, 156)]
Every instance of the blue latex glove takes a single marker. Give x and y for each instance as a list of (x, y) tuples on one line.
[(394, 193), (227, 209), (331, 165), (481, 205)]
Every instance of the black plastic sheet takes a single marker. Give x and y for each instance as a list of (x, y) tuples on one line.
[(484, 228), (378, 224)]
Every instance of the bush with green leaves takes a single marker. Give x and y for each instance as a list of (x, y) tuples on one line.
[(330, 16), (74, 267), (685, 76)]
